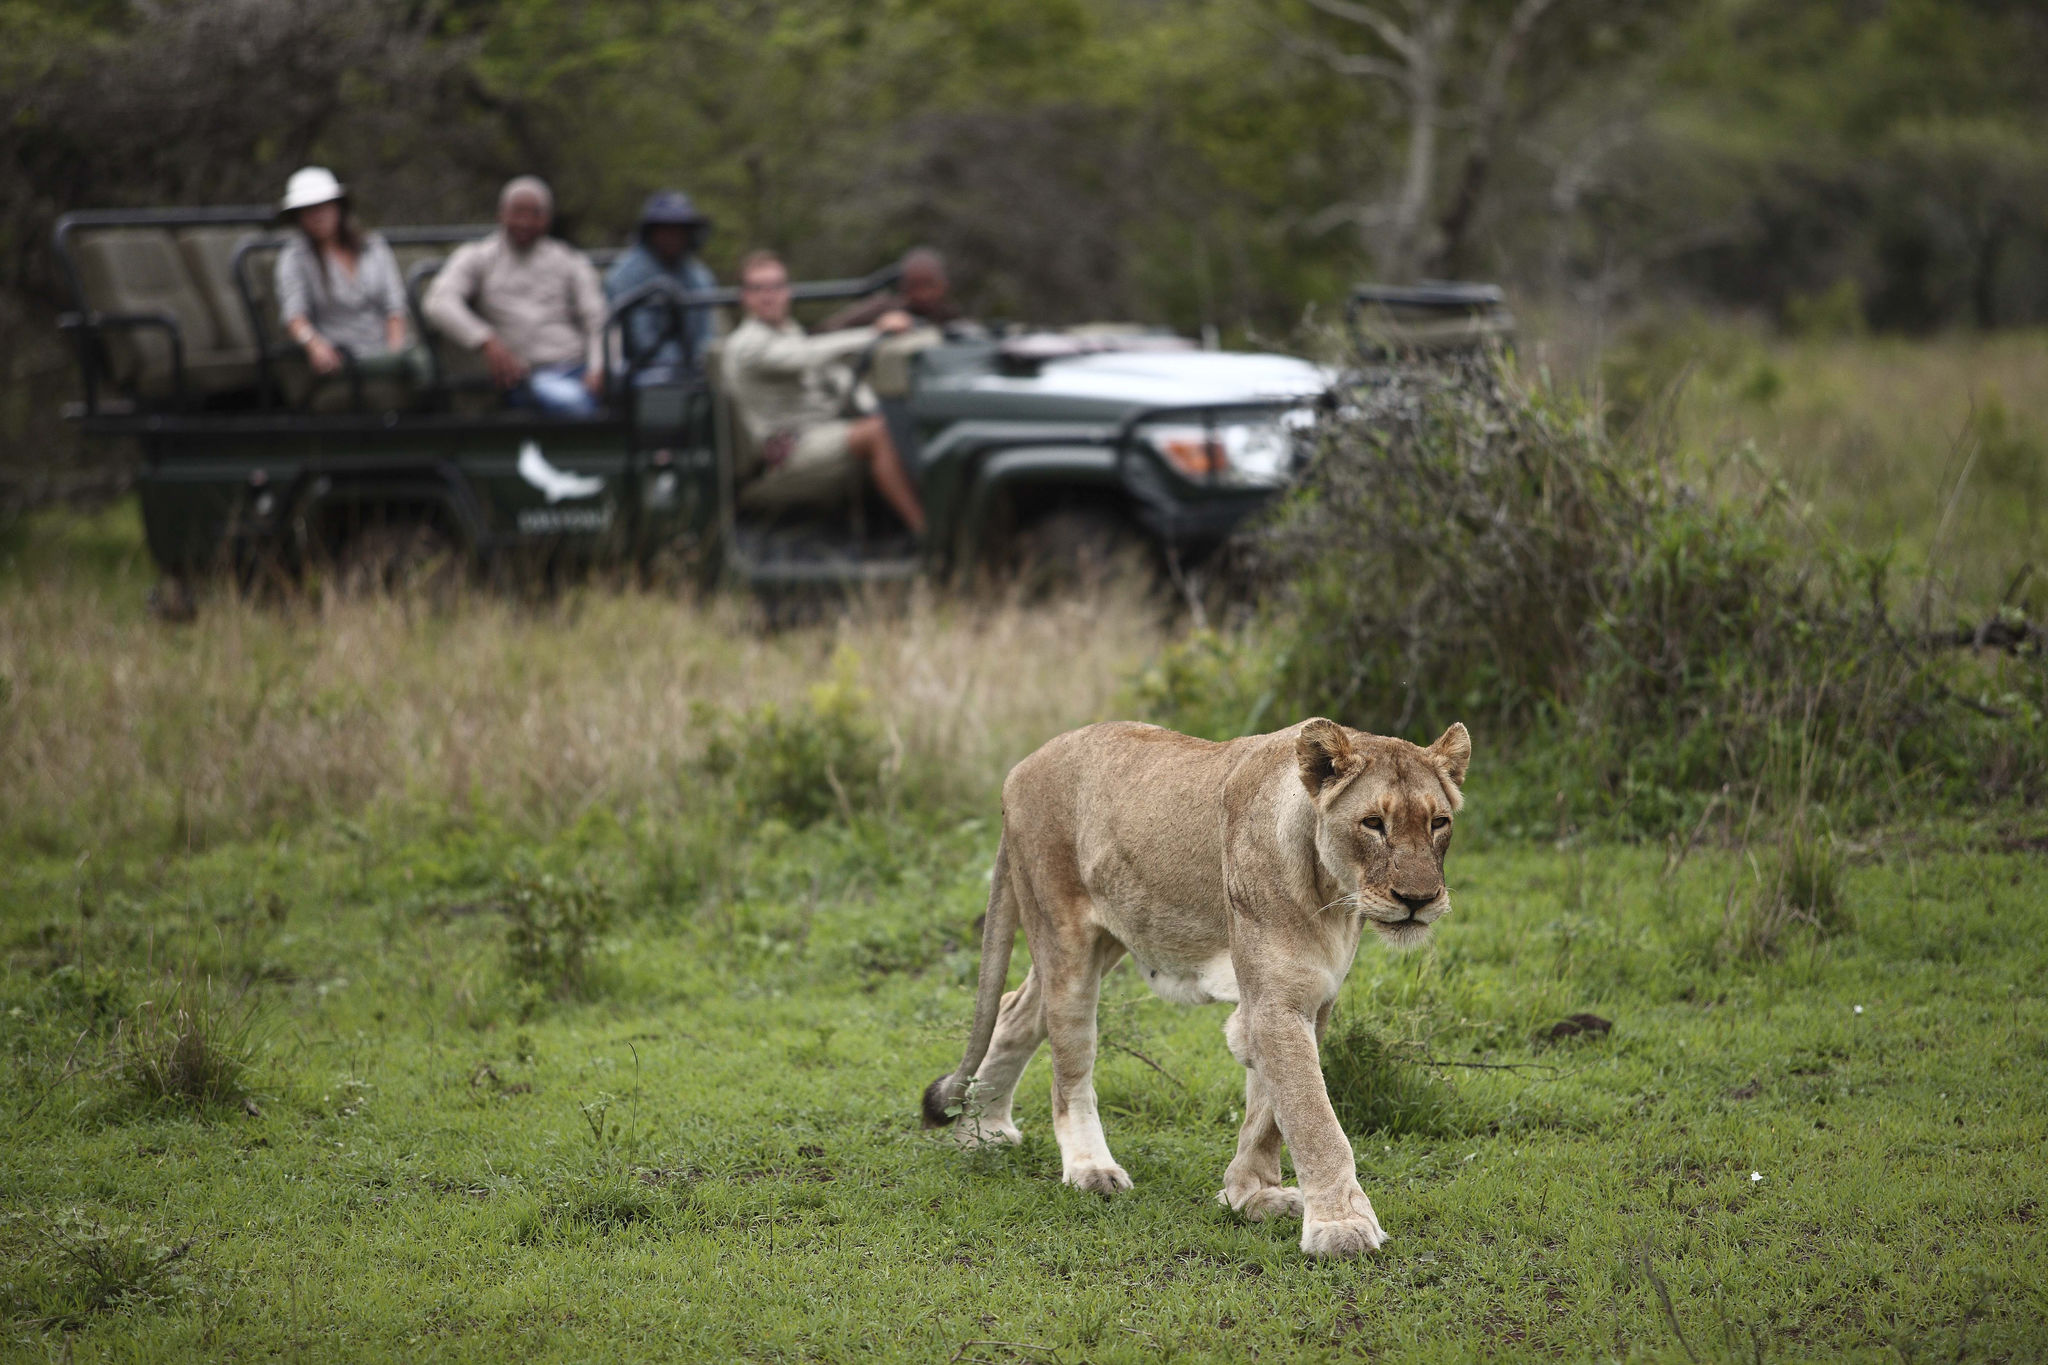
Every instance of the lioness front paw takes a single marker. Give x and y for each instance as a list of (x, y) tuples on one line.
[(1097, 1179), (1263, 1202), (1357, 1231)]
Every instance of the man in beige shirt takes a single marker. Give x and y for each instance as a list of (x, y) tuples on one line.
[(779, 382), (530, 304)]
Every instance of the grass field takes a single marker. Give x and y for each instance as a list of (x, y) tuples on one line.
[(528, 1017), (1938, 449)]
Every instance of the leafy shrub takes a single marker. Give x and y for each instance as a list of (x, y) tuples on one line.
[(1468, 546), (1376, 1089), (190, 1045), (553, 927), (804, 763), (1806, 891), (63, 1269)]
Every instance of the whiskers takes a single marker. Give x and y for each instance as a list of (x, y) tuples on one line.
[(1352, 899)]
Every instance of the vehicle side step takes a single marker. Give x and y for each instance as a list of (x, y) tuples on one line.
[(787, 573)]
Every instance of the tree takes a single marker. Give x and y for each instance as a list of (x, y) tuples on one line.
[(1454, 67)]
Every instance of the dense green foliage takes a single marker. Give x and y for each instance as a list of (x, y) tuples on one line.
[(1637, 638)]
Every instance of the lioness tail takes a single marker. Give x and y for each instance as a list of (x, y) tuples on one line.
[(998, 933)]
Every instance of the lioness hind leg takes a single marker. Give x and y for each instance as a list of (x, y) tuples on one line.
[(1020, 1028), (1252, 1184), (1071, 991)]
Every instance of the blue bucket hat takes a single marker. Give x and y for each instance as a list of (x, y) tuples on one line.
[(672, 208)]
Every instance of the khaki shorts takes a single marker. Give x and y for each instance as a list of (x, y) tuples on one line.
[(820, 468)]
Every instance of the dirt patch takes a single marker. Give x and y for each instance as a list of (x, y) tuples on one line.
[(1591, 1025)]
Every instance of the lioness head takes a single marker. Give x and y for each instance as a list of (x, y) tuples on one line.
[(1384, 809)]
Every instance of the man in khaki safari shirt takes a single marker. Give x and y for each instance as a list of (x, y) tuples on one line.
[(530, 304), (778, 381)]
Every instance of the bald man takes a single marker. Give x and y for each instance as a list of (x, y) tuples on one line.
[(923, 290), (529, 304)]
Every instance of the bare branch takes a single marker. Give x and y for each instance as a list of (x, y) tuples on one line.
[(1388, 32), (1344, 63), (1358, 64)]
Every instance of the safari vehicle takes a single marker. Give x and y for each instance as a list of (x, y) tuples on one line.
[(1053, 446)]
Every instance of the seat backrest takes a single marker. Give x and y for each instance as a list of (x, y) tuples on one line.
[(209, 254), (139, 270), (410, 254), (259, 272), (730, 431)]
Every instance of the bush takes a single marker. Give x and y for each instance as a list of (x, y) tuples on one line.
[(805, 763), (1375, 1089), (553, 928), (190, 1045), (64, 1269), (1467, 546)]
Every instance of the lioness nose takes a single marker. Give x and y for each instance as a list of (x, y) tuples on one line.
[(1415, 904)]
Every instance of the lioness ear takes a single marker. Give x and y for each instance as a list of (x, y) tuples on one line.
[(1325, 754), (1453, 753)]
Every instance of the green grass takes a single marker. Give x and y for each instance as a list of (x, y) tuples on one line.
[(377, 984), (1936, 449), (719, 1156)]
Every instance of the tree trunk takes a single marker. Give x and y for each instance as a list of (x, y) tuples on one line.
[(1456, 226), (1400, 259)]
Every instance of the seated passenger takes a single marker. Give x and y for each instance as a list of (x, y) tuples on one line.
[(671, 230), (530, 304), (922, 290), (339, 289), (778, 380)]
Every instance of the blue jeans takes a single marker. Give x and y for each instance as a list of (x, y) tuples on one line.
[(556, 390)]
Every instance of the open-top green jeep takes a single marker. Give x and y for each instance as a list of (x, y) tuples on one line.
[(1025, 444)]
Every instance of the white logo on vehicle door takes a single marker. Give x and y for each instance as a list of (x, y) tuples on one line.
[(555, 484)]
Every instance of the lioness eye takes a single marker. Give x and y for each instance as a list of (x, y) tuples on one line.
[(1374, 823), (1441, 822)]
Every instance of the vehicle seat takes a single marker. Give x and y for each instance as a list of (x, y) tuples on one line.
[(290, 374), (209, 254), (461, 373), (141, 270), (734, 437), (736, 440)]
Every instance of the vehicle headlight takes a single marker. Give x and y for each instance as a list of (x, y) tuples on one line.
[(1240, 453)]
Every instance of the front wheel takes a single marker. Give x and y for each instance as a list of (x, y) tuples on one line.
[(1078, 549), (400, 558)]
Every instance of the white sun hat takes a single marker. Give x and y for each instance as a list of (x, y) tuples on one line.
[(308, 186)]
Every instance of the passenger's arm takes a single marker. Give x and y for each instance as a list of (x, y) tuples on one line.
[(295, 308), (390, 294), (447, 302), (698, 322), (586, 293), (447, 307), (799, 354)]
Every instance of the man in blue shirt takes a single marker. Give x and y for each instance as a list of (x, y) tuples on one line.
[(671, 229)]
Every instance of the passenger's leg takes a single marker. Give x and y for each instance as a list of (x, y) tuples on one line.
[(561, 393), (869, 440)]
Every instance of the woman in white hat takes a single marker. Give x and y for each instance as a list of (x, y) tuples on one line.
[(338, 289)]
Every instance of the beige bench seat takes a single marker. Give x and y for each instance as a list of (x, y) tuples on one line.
[(144, 270)]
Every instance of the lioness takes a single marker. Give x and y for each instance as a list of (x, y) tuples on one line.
[(1243, 872)]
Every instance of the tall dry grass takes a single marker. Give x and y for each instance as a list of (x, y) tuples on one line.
[(1937, 446), (116, 728)]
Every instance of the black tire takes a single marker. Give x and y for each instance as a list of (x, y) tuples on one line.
[(398, 558), (1078, 549)]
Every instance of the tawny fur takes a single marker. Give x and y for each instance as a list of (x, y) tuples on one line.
[(1247, 871)]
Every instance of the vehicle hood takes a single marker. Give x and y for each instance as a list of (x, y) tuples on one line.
[(1163, 378)]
